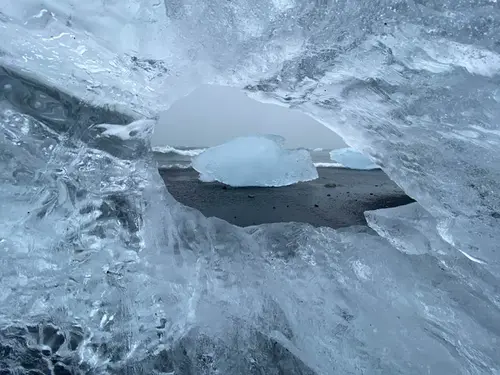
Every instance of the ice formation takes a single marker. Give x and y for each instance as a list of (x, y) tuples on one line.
[(182, 152), (255, 161), (104, 273), (350, 158)]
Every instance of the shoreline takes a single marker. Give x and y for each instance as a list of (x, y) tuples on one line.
[(338, 198)]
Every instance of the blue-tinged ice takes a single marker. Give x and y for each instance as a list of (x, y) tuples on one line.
[(255, 161), (350, 158), (102, 272)]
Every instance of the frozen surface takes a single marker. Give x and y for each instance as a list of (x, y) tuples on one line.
[(412, 84), (350, 158), (172, 150), (409, 229), (104, 273), (255, 161)]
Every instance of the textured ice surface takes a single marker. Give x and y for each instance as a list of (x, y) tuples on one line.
[(409, 228), (412, 84), (103, 272), (255, 161), (351, 158)]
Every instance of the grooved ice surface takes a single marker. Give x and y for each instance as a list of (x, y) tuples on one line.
[(351, 158), (255, 161), (103, 272)]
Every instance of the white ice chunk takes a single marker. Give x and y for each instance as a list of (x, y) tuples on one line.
[(327, 165), (255, 161), (169, 149), (136, 129), (353, 159)]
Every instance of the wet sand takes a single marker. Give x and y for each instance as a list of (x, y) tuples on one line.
[(338, 198)]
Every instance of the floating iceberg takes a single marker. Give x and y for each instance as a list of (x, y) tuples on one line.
[(255, 161), (350, 158)]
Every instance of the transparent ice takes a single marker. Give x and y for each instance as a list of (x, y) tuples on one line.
[(255, 161), (350, 158), (103, 272)]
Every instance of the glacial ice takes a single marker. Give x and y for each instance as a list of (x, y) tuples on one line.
[(255, 161), (104, 273), (350, 158), (409, 229)]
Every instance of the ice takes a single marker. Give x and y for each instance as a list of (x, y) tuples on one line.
[(327, 165), (95, 251), (409, 228), (394, 90), (136, 129), (169, 149), (104, 273), (350, 158), (255, 161)]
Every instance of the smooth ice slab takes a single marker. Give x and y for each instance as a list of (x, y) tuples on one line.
[(353, 159), (255, 161)]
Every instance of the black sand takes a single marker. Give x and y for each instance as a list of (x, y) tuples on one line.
[(336, 199)]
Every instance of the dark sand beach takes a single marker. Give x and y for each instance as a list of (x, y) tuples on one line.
[(338, 198)]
